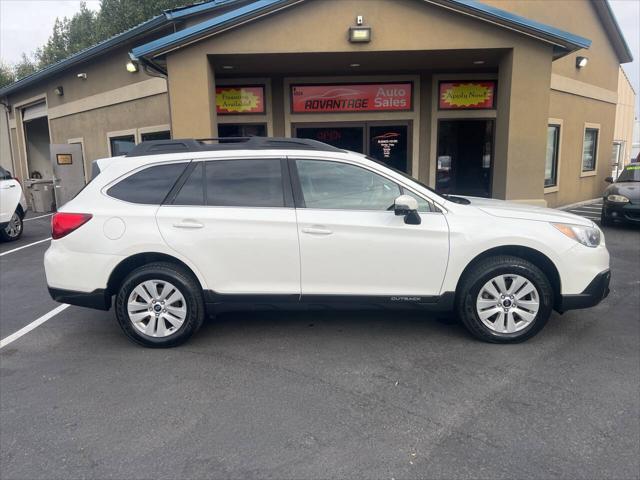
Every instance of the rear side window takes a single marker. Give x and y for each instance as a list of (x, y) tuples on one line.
[(149, 186), (244, 183)]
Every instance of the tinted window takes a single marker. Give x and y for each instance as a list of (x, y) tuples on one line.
[(551, 164), (244, 183), (192, 192), (631, 173), (149, 186), (242, 130), (589, 149), (4, 174), (333, 185), (122, 145)]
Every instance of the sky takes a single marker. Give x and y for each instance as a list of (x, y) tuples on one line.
[(26, 24)]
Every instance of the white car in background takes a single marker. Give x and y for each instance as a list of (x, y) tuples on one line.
[(13, 207), (181, 228)]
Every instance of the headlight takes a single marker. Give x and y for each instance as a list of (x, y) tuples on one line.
[(587, 236), (617, 199)]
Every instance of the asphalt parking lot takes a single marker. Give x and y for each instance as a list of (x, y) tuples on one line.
[(317, 395)]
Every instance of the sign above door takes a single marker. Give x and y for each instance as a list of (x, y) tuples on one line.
[(363, 97), (467, 95), (234, 100)]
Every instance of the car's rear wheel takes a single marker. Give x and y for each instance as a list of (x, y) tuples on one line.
[(13, 230), (160, 305), (505, 299)]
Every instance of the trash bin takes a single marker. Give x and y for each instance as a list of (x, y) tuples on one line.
[(40, 195)]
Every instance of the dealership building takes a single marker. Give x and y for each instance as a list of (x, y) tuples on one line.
[(508, 99)]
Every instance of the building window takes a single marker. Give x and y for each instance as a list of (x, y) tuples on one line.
[(242, 130), (553, 148), (162, 135), (122, 145), (589, 149)]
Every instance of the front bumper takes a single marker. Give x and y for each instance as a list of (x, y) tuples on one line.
[(629, 212), (595, 292), (98, 299)]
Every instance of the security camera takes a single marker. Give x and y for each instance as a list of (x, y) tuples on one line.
[(82, 76)]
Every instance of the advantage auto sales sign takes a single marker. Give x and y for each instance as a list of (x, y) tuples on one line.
[(369, 97)]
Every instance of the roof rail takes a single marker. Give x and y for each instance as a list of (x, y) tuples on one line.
[(159, 147)]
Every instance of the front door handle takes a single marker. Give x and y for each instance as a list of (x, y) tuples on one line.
[(188, 224), (317, 231)]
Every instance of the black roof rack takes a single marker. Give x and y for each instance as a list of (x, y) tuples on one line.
[(158, 147)]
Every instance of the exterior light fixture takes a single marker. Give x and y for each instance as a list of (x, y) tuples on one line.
[(132, 67), (359, 34), (354, 65), (227, 67), (59, 90), (478, 62), (581, 62), (82, 76)]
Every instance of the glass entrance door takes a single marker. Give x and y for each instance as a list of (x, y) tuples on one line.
[(465, 157), (386, 142)]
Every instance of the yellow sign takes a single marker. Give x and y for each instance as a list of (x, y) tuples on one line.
[(230, 100), (467, 95)]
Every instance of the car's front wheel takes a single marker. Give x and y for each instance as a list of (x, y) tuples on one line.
[(160, 305), (505, 299), (13, 230)]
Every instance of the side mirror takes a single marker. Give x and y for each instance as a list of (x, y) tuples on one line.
[(407, 206), (609, 179)]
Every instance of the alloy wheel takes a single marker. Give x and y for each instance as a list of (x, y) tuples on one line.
[(157, 308), (14, 227), (507, 303)]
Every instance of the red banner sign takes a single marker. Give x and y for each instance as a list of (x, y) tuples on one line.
[(238, 100), (467, 95), (373, 97)]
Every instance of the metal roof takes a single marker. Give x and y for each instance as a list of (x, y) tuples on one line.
[(564, 42), (168, 17)]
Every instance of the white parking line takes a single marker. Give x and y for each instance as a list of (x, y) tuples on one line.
[(24, 246), (36, 323), (36, 218)]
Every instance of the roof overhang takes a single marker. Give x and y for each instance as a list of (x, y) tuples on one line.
[(608, 19)]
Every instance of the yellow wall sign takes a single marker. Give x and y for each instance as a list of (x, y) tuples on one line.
[(239, 100), (467, 95)]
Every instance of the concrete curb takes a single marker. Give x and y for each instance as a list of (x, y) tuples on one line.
[(580, 204)]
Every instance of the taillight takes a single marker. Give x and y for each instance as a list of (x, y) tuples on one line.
[(63, 224)]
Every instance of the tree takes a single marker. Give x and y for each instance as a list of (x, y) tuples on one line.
[(116, 16), (26, 66), (7, 74)]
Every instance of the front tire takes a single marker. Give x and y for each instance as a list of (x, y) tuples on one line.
[(160, 305), (13, 230), (504, 299)]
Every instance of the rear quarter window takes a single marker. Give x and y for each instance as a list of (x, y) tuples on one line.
[(149, 186)]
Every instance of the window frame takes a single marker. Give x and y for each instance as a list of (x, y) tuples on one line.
[(299, 195), (556, 122), (583, 172)]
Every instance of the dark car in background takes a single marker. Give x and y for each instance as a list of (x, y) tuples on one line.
[(621, 199)]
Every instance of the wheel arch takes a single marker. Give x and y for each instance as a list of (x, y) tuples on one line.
[(132, 262), (534, 256)]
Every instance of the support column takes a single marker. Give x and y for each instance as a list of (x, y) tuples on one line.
[(192, 95), (524, 80)]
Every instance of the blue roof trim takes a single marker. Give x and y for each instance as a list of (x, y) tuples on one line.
[(518, 20), (165, 18), (194, 31)]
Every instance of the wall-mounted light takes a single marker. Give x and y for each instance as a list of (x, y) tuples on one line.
[(59, 90), (132, 67), (581, 62), (359, 34), (227, 67), (478, 62), (82, 76)]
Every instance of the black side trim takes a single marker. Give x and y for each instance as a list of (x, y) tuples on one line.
[(217, 302), (98, 299), (595, 292)]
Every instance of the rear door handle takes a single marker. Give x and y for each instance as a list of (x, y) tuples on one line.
[(188, 224), (317, 231)]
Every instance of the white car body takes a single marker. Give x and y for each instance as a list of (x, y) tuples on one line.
[(12, 198), (305, 253)]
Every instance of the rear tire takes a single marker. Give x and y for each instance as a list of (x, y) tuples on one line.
[(160, 305), (504, 299), (13, 230)]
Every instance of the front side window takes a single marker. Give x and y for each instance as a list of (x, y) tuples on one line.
[(149, 186), (122, 145), (589, 149), (551, 164), (333, 185), (244, 183)]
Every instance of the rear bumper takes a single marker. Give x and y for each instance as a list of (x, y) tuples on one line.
[(595, 292), (98, 299)]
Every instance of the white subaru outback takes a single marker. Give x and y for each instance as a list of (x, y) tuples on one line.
[(181, 228)]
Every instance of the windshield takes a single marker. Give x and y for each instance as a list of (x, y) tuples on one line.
[(630, 174)]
